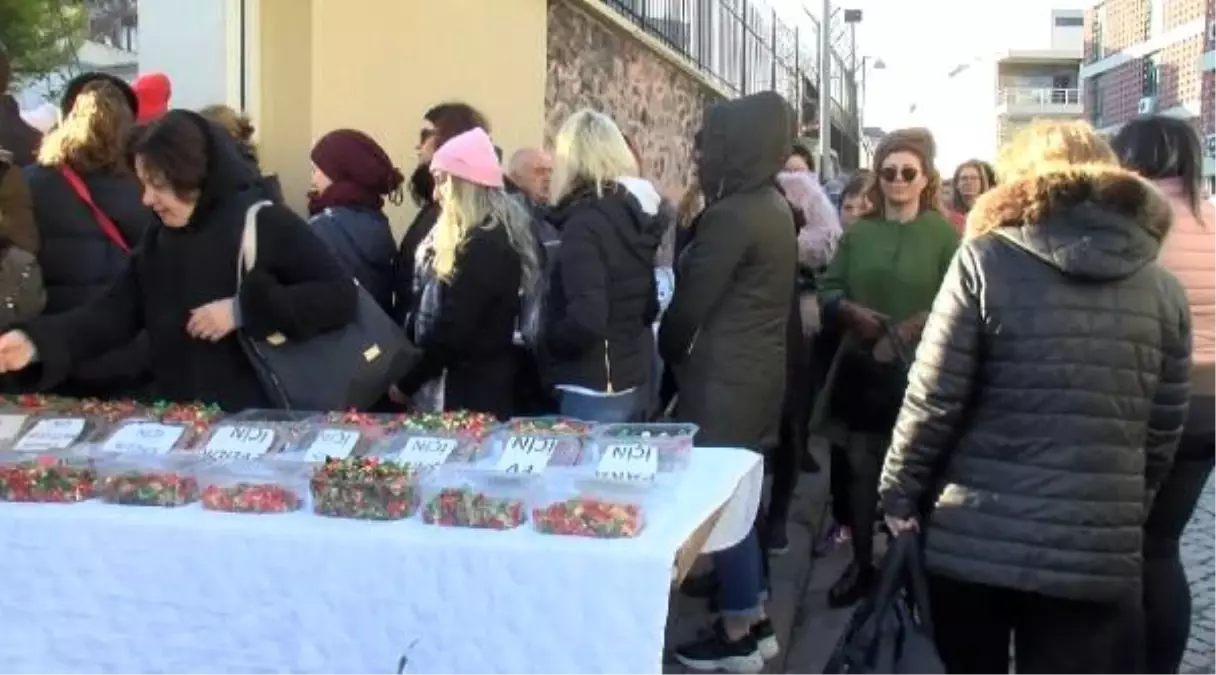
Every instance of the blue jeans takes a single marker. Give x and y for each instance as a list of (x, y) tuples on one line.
[(741, 581), (602, 409)]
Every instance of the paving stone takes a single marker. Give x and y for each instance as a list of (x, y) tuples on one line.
[(1198, 552)]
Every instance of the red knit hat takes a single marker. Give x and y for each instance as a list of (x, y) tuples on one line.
[(153, 92)]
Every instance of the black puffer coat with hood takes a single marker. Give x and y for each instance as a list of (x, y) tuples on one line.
[(602, 301), (725, 330), (296, 288), (1049, 390)]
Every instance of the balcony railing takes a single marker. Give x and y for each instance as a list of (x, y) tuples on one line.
[(1044, 99)]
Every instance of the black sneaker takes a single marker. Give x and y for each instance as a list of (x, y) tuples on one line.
[(716, 652), (853, 584), (766, 639)]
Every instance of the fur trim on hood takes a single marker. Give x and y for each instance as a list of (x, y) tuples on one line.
[(1092, 221), (1033, 199)]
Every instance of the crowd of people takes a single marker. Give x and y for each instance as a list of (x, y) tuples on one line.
[(1017, 363)]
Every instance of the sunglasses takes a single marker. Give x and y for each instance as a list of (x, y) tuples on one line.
[(907, 173)]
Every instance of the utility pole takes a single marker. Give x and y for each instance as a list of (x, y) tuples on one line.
[(825, 85)]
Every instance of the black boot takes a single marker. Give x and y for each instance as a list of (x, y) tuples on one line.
[(853, 584)]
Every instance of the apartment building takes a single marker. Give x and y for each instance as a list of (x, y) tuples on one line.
[(1034, 85), (1149, 57)]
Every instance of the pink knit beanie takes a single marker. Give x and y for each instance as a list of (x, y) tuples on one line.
[(469, 156)]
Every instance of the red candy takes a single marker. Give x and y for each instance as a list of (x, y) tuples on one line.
[(250, 498)]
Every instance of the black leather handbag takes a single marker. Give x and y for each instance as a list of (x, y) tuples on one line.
[(348, 368)]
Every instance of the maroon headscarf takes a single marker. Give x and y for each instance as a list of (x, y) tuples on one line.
[(361, 171)]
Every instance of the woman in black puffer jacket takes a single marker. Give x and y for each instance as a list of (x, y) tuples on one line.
[(602, 302), (85, 247), (1043, 411)]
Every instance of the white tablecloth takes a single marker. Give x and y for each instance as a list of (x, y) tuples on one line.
[(96, 588)]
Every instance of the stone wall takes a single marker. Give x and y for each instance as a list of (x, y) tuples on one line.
[(592, 64)]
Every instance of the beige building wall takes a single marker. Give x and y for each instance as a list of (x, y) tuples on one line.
[(377, 65)]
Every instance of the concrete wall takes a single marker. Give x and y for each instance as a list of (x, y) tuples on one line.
[(596, 60), (378, 66)]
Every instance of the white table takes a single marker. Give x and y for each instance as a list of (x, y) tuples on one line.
[(96, 588)]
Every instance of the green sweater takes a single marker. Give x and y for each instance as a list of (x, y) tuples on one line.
[(892, 268)]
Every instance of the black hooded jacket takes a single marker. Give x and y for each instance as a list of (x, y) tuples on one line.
[(602, 300), (296, 288), (725, 330)]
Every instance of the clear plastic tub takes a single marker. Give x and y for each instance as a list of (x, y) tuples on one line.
[(583, 512), (49, 477), (425, 450), (337, 435), (252, 487), (148, 480), (107, 411), (530, 445), (55, 431), (252, 434), (452, 501), (474, 425), (198, 418), (672, 442), (364, 488), (146, 436), (14, 422)]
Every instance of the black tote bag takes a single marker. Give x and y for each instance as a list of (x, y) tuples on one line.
[(891, 631), (348, 368)]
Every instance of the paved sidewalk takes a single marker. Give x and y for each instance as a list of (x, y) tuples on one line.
[(1199, 559)]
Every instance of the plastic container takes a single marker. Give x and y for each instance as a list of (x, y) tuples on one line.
[(337, 435), (475, 426), (452, 501), (672, 442), (49, 477), (198, 418), (532, 444), (107, 412), (253, 434), (56, 431), (364, 488), (252, 487), (148, 480), (147, 436), (425, 450), (14, 422), (583, 512)]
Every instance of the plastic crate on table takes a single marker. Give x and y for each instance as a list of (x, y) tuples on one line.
[(454, 499), (57, 431), (148, 480), (672, 442), (338, 435), (51, 476), (474, 426), (364, 488), (533, 444), (252, 434), (583, 509), (426, 450), (252, 487)]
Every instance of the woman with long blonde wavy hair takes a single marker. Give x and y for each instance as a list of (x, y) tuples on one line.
[(87, 205), (471, 273), (1042, 412)]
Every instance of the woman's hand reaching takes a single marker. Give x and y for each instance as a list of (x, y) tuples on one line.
[(213, 321), (16, 351)]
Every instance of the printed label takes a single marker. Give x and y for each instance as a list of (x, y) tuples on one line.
[(10, 426), (427, 452), (239, 442), (628, 463), (53, 434), (336, 443), (145, 438), (526, 454)]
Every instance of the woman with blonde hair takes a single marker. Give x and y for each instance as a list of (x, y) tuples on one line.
[(470, 271), (1043, 411), (876, 294), (87, 207), (602, 303), (240, 128)]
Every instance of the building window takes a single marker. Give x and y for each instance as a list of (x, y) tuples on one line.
[(1069, 21), (1151, 80), (1155, 19)]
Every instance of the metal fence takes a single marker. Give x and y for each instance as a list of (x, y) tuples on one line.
[(744, 46)]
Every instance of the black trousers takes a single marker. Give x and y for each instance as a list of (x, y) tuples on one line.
[(1167, 595), (840, 479), (865, 454), (972, 625)]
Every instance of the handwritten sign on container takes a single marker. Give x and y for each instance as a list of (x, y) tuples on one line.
[(628, 463)]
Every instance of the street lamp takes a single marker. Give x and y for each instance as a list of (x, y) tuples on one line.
[(867, 62)]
